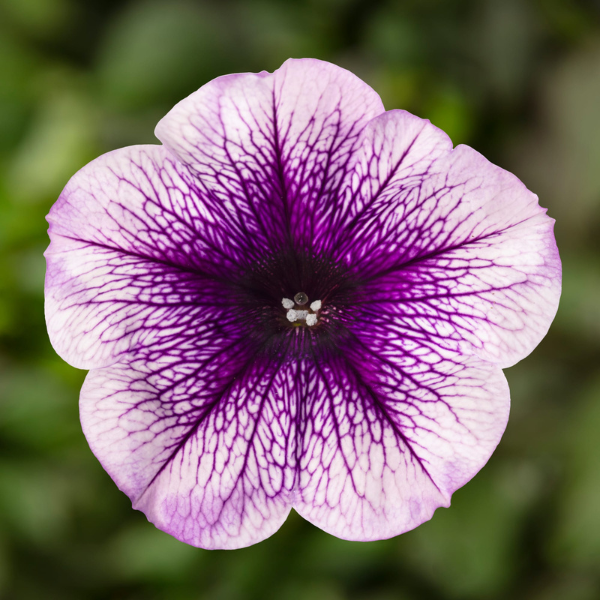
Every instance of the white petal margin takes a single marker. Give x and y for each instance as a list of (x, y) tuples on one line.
[(387, 445), (451, 245), (278, 144), (208, 461), (130, 237)]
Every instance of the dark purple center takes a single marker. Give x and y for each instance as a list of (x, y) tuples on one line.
[(262, 285)]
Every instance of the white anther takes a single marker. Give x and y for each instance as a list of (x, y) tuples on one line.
[(301, 315), (311, 319)]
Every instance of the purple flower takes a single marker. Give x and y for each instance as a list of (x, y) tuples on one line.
[(299, 300)]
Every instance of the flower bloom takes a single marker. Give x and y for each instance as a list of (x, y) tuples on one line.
[(298, 300)]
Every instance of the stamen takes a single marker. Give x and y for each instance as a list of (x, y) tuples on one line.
[(308, 315), (311, 320)]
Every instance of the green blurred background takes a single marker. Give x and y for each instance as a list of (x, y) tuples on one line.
[(518, 80)]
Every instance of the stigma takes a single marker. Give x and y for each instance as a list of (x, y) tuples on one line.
[(298, 314)]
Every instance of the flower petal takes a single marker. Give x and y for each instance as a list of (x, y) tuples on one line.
[(276, 147), (201, 440), (448, 244), (388, 439), (137, 252)]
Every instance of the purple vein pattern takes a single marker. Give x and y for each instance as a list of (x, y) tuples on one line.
[(206, 402)]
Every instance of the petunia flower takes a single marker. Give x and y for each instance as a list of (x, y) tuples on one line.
[(300, 301)]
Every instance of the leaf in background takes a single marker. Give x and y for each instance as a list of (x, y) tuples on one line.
[(157, 51)]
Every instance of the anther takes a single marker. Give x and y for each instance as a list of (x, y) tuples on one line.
[(295, 314), (311, 320)]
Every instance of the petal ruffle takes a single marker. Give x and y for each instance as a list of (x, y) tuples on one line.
[(388, 439), (202, 441), (448, 244), (137, 253), (275, 147)]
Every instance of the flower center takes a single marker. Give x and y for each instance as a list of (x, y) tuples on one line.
[(296, 305), (299, 316)]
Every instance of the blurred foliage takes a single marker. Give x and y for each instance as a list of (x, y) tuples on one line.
[(519, 80)]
